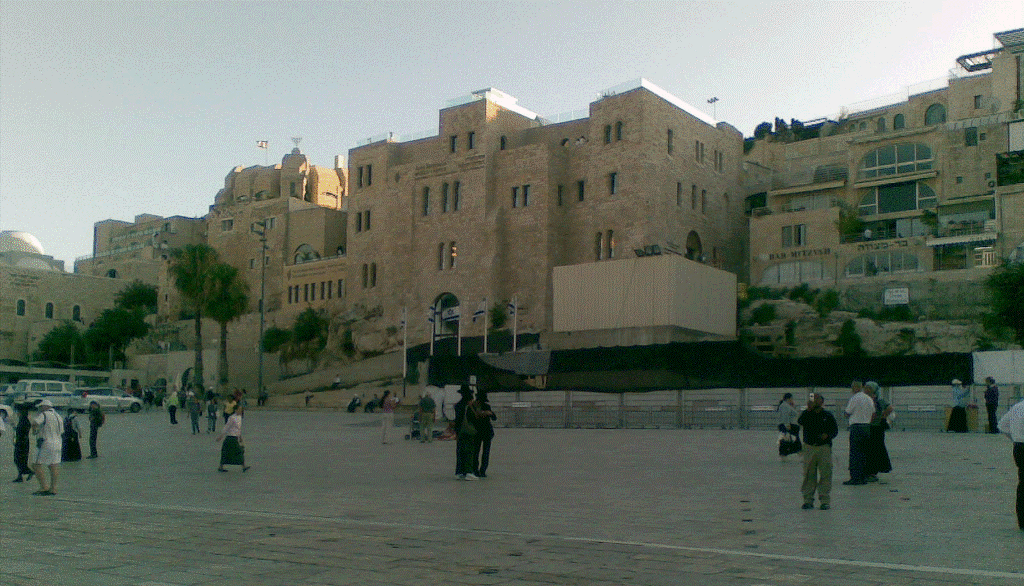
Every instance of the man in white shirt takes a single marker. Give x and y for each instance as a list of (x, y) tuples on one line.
[(1012, 425), (859, 410), (49, 426)]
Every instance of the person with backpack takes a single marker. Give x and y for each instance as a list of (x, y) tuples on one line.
[(96, 421), (49, 427)]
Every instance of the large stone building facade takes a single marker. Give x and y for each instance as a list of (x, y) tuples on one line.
[(892, 203)]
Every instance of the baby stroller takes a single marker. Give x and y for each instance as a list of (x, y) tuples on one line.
[(414, 427)]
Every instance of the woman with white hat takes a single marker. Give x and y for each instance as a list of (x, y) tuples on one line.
[(49, 426)]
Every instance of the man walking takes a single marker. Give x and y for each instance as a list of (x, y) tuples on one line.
[(49, 426), (859, 410), (96, 420), (1012, 425), (820, 429), (991, 403)]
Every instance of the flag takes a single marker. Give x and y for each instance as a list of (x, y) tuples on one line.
[(430, 314), (450, 314), (480, 309), (403, 319), (261, 144), (512, 307)]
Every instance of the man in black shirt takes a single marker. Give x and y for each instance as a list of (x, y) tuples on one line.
[(820, 429)]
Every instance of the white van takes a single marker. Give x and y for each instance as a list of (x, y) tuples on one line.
[(58, 392)]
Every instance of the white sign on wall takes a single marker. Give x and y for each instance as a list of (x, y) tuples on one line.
[(897, 296)]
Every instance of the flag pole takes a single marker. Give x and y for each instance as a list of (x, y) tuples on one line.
[(485, 325), (515, 322), (433, 316), (458, 325), (405, 348)]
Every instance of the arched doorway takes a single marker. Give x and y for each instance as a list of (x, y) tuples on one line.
[(694, 248), (445, 313)]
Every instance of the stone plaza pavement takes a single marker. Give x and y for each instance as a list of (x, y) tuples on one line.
[(326, 504)]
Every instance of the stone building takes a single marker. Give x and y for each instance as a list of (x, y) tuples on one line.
[(36, 295), (904, 202), (499, 197), (138, 250)]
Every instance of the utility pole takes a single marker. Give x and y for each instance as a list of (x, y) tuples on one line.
[(260, 229)]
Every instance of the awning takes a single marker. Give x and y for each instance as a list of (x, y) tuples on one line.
[(962, 239)]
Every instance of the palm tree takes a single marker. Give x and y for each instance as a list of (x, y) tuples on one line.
[(228, 299), (191, 268)]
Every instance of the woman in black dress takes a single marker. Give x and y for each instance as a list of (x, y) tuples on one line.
[(21, 443), (484, 434)]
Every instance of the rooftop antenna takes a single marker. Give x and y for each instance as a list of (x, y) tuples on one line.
[(714, 108), (296, 140)]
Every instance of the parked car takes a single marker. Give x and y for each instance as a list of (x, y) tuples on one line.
[(59, 393), (110, 399)]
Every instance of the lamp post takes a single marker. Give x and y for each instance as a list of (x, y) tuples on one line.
[(260, 229)]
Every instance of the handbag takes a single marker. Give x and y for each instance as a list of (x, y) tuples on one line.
[(467, 427)]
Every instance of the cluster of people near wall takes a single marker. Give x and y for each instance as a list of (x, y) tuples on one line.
[(197, 402), (869, 416)]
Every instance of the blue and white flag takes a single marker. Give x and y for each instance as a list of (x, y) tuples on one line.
[(430, 314), (450, 314), (403, 319), (512, 306), (480, 309)]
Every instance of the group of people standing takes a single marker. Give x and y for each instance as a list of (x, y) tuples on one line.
[(474, 433), (57, 440), (869, 417), (958, 422)]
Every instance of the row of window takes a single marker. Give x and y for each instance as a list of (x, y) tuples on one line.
[(450, 198), (229, 224), (308, 291), (608, 132), (935, 114), (604, 245), (364, 175), (48, 310), (453, 142), (866, 265), (521, 196), (703, 201), (362, 220)]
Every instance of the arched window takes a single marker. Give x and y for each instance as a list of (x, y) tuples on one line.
[(898, 122), (897, 197), (935, 114), (881, 125), (49, 311), (21, 307), (869, 265), (305, 253), (895, 159)]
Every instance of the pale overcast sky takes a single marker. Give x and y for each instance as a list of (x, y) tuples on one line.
[(112, 109)]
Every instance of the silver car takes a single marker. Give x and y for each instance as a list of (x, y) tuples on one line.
[(109, 399)]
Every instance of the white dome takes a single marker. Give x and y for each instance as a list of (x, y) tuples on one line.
[(11, 241)]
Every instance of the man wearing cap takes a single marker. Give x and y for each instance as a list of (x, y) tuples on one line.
[(1012, 425), (49, 426)]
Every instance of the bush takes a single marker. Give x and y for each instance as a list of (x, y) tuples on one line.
[(763, 314), (849, 341), (826, 302)]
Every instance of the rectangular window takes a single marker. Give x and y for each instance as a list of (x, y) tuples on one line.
[(977, 102), (607, 133), (526, 195), (610, 241), (359, 222), (455, 197), (560, 192), (696, 150), (440, 256), (366, 222), (373, 274), (703, 201), (471, 141), (305, 292), (701, 153), (341, 287), (359, 174), (581, 188), (323, 290), (515, 197), (444, 198), (618, 130), (226, 225), (252, 263), (366, 275), (291, 189), (268, 223), (693, 197), (426, 201), (290, 294), (800, 235), (369, 175), (613, 183), (453, 143), (453, 256), (971, 136), (330, 288), (679, 193), (787, 236), (668, 140)]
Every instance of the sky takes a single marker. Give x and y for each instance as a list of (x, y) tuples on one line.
[(113, 109)]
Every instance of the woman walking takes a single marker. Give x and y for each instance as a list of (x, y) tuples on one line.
[(232, 450), (21, 443)]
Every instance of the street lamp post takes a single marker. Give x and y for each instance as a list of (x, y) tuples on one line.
[(260, 229)]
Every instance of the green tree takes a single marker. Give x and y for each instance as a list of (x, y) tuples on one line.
[(191, 269), (227, 301), (1006, 283), (138, 295), (849, 341), (276, 338), (112, 331), (499, 315), (309, 327), (63, 343)]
